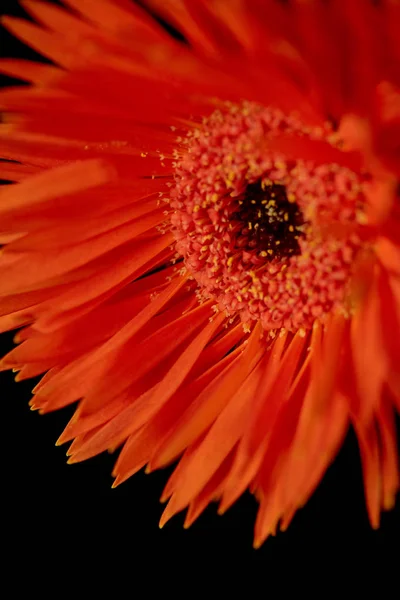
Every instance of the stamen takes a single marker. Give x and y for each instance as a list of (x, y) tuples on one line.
[(257, 231)]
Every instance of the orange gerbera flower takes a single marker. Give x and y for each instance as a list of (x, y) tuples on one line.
[(202, 248)]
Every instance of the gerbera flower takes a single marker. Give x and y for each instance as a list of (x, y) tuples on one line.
[(202, 246)]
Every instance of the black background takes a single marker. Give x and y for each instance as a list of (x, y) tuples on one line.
[(62, 519)]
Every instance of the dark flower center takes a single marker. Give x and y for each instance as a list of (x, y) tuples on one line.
[(269, 222)]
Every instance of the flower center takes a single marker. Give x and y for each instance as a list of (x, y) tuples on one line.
[(256, 230), (266, 221)]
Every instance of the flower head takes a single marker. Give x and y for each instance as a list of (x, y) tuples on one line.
[(201, 245)]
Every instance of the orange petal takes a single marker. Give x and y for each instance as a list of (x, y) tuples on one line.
[(201, 413), (141, 446), (369, 450), (217, 444), (280, 370), (368, 351), (211, 491), (76, 378), (389, 453), (142, 410)]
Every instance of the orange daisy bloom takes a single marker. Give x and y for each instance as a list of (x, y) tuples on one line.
[(201, 246)]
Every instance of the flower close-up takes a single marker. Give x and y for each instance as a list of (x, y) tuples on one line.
[(201, 240)]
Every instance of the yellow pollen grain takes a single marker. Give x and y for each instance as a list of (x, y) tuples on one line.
[(361, 217)]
